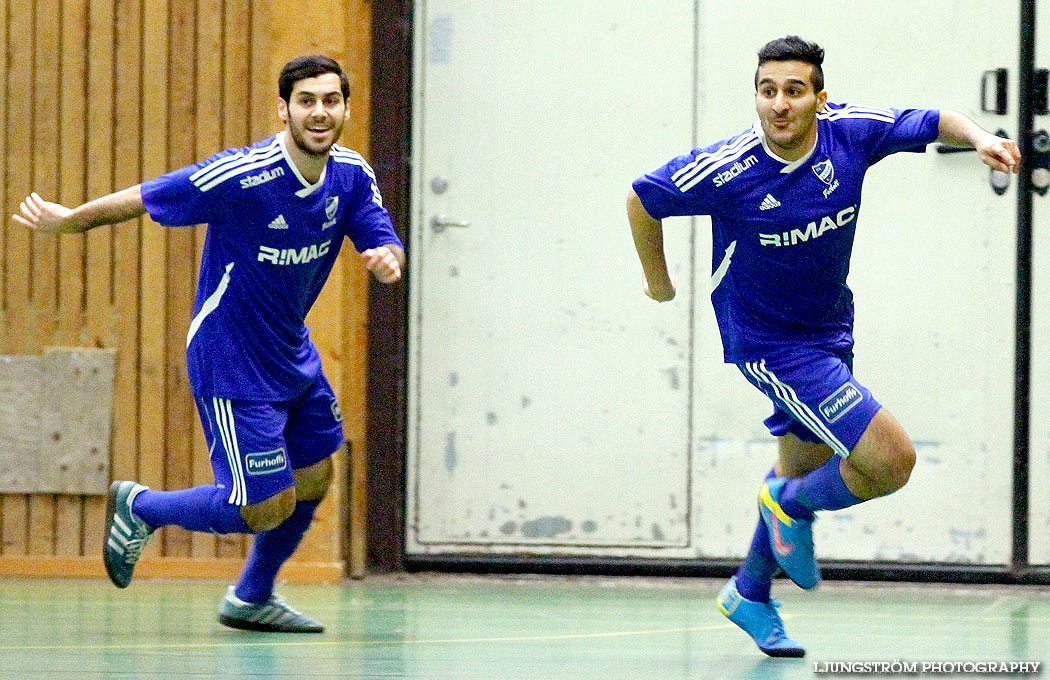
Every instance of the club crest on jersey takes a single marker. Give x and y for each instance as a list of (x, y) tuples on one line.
[(331, 206), (825, 172)]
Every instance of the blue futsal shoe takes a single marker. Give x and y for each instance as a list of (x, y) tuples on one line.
[(273, 616), (790, 538), (760, 620), (126, 534)]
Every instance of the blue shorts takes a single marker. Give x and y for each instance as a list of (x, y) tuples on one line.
[(255, 445), (815, 396)]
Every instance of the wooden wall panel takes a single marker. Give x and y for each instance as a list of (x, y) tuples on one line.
[(178, 293), (159, 85), (355, 298), (153, 251), (44, 287), (18, 249), (208, 124), (236, 132), (69, 510)]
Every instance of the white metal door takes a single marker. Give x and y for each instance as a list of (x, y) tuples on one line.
[(933, 275), (548, 398)]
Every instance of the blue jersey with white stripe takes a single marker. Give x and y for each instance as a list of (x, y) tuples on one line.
[(272, 240), (783, 231)]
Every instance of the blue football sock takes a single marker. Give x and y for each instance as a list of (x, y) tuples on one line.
[(754, 578), (821, 489), (202, 508), (272, 549)]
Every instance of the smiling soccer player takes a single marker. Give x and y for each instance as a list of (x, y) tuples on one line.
[(277, 213)]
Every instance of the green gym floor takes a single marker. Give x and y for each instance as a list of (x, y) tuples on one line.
[(441, 627)]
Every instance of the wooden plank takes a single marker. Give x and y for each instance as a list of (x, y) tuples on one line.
[(236, 132), (44, 309), (72, 121), (264, 71), (236, 74), (358, 66), (153, 311), (98, 329), (94, 518), (353, 396), (208, 141), (18, 126), (18, 243), (100, 171), (67, 525), (8, 203), (127, 172), (178, 472), (72, 164), (45, 171)]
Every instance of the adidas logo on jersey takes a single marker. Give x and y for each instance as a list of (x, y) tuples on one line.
[(278, 223), (769, 203)]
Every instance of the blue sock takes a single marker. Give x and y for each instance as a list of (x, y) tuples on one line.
[(272, 549), (202, 508), (754, 578), (821, 489)]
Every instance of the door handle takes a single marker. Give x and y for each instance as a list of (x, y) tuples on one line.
[(1041, 162), (441, 222), (997, 107)]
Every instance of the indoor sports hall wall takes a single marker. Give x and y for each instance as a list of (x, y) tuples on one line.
[(555, 412), (98, 95)]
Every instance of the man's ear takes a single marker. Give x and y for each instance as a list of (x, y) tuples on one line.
[(822, 99), (282, 109)]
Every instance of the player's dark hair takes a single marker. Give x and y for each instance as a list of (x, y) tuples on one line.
[(310, 66), (794, 48)]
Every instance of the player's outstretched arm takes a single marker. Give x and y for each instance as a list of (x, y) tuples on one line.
[(648, 236), (385, 262), (54, 218), (1001, 154)]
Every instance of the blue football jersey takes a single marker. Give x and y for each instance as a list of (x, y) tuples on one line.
[(783, 231), (272, 240)]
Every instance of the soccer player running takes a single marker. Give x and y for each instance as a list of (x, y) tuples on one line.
[(783, 197), (277, 213)]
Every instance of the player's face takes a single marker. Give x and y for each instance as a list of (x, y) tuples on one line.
[(315, 113), (788, 106)]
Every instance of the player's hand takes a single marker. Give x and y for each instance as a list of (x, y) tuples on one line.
[(999, 154), (36, 213), (661, 293), (383, 264)]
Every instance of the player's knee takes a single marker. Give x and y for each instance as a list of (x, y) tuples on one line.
[(897, 462), (901, 465), (311, 483), (270, 513)]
